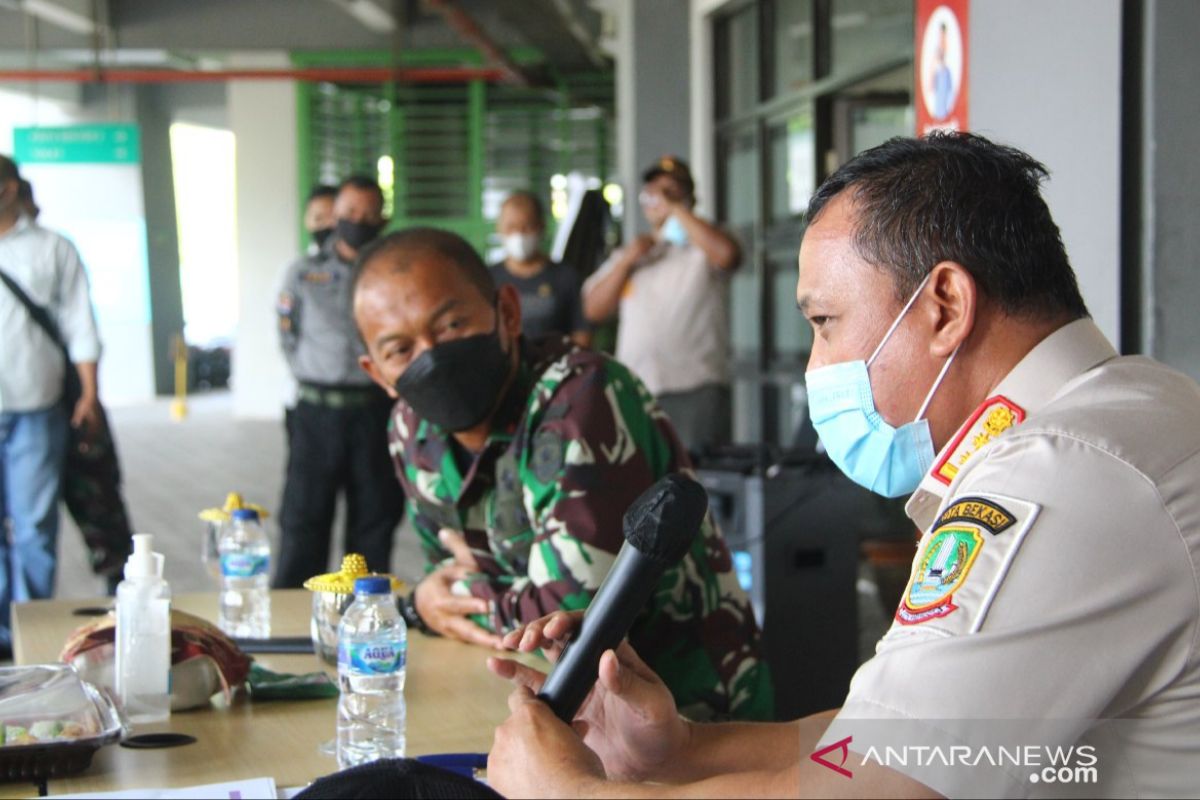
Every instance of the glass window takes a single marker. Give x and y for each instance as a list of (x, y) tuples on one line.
[(745, 311), (791, 333), (737, 62), (739, 180), (792, 165), (793, 45), (865, 32)]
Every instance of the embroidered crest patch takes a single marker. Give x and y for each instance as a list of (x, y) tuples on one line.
[(944, 565), (992, 418)]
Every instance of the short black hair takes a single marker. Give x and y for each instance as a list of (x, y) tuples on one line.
[(535, 202), (321, 190), (364, 182), (24, 190), (408, 243), (8, 170), (959, 197)]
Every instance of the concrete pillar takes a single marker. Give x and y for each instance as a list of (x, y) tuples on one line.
[(1046, 77), (1171, 184), (262, 116), (653, 92), (162, 237)]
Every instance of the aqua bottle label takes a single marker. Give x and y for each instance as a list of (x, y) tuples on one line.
[(244, 565), (374, 657)]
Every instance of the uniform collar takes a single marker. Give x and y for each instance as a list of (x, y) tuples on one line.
[(1037, 378)]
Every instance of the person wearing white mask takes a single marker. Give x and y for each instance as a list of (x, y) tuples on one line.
[(550, 301), (672, 291)]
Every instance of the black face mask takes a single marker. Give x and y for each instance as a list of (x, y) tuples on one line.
[(456, 384), (357, 234), (321, 236)]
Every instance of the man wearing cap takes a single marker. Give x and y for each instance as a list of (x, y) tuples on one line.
[(1048, 641), (672, 291)]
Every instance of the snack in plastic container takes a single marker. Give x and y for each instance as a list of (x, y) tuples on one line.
[(52, 722)]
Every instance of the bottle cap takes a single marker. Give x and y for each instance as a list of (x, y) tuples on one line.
[(142, 562), (245, 513), (373, 584)]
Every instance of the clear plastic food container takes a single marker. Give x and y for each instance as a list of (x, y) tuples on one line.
[(52, 722)]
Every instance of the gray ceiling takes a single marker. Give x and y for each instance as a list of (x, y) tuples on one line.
[(140, 32)]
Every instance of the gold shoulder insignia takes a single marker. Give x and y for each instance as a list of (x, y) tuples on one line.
[(996, 415)]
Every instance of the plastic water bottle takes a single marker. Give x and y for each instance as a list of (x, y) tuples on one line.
[(245, 554), (143, 657), (372, 656)]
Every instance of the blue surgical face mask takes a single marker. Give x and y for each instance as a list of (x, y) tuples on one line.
[(672, 231), (888, 461)]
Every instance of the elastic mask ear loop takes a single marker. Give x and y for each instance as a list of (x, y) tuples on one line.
[(899, 319), (936, 384)]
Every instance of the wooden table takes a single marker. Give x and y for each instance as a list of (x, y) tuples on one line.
[(454, 704)]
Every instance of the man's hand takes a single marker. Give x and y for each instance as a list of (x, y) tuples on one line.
[(639, 247), (629, 719), (535, 755), (446, 612), (86, 416)]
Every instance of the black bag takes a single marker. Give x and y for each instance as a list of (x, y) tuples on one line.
[(91, 481)]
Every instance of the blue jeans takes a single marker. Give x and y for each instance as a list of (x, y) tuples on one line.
[(33, 446)]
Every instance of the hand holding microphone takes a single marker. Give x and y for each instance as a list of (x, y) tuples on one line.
[(659, 529)]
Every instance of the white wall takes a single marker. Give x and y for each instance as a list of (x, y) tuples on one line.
[(1046, 77), (262, 116)]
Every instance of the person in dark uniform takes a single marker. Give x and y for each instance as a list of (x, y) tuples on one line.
[(550, 299), (337, 432)]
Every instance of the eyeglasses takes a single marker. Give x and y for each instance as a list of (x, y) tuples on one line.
[(650, 199)]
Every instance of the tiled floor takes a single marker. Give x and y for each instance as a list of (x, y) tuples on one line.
[(172, 470)]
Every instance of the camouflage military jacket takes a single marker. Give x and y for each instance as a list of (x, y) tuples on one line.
[(576, 440)]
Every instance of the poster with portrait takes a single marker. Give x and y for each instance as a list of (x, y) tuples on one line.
[(942, 82)]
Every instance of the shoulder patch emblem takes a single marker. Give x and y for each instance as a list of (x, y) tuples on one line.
[(986, 514), (947, 559), (992, 418)]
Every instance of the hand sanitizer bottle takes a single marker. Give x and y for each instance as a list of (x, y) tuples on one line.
[(143, 665)]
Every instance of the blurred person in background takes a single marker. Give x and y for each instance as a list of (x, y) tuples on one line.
[(672, 290), (25, 194), (550, 291), (319, 218), (337, 432), (44, 301)]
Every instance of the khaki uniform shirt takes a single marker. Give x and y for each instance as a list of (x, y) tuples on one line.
[(1049, 629), (674, 331)]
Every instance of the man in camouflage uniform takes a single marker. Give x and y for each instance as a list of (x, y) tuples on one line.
[(519, 505)]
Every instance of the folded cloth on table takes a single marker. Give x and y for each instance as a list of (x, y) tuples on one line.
[(267, 685), (204, 660)]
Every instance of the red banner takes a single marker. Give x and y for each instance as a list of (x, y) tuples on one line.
[(940, 61)]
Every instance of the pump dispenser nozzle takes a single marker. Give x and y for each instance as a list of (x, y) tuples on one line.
[(142, 562)]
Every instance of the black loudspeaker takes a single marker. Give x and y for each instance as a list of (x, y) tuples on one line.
[(794, 530)]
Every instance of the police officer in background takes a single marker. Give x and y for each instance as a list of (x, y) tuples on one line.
[(337, 432)]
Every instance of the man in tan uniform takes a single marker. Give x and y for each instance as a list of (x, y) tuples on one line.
[(1047, 642)]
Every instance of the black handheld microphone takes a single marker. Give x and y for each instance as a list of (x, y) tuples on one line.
[(659, 528)]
